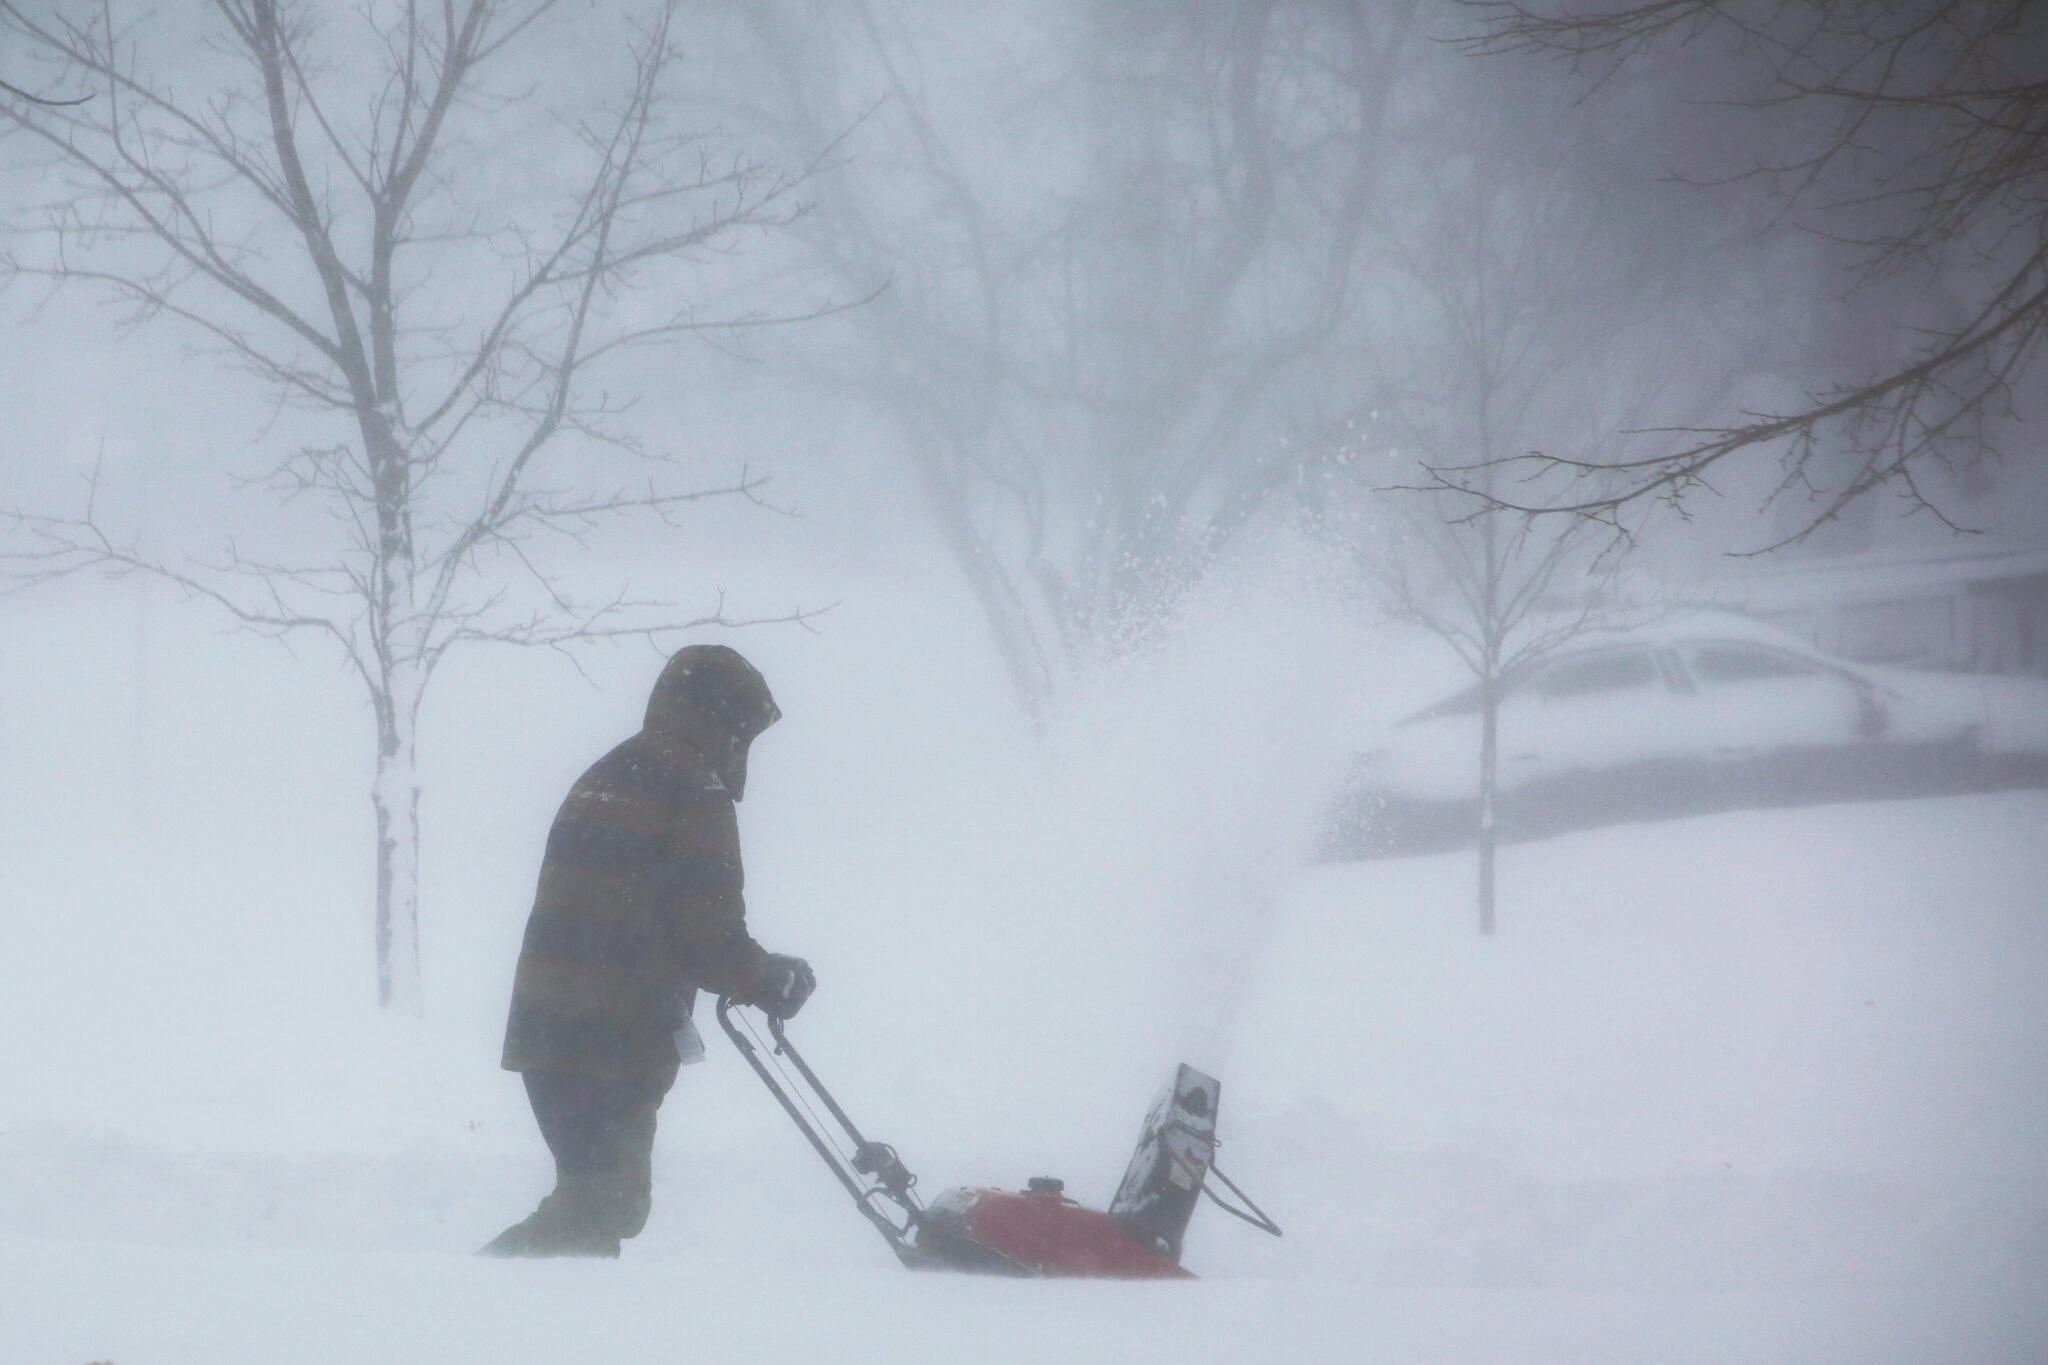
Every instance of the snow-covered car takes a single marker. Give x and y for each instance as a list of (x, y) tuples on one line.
[(1709, 711)]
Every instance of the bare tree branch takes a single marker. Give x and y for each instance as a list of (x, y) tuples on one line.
[(298, 236), (45, 101), (1935, 150)]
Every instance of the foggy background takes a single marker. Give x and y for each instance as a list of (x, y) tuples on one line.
[(1094, 361)]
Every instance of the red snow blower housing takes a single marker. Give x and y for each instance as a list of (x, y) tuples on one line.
[(1034, 1232)]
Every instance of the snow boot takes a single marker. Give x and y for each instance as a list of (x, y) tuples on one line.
[(571, 1221)]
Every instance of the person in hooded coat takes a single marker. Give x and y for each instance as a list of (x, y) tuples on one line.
[(639, 907)]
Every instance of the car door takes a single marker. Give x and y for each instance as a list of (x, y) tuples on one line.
[(1589, 712), (1434, 755), (1752, 702)]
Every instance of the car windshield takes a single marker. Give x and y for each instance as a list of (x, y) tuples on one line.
[(1614, 671)]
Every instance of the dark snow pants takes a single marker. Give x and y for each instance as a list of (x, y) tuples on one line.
[(601, 1133)]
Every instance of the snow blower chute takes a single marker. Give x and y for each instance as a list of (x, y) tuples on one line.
[(1037, 1231)]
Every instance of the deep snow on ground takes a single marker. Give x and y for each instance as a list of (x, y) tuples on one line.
[(149, 1304), (1758, 1086)]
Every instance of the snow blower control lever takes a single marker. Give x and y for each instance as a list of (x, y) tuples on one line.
[(1036, 1232)]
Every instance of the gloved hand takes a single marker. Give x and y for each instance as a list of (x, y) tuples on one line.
[(786, 982)]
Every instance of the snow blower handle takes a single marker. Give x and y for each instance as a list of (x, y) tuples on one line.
[(875, 1160)]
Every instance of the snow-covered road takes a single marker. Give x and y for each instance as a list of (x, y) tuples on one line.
[(1743, 1088), (71, 1302)]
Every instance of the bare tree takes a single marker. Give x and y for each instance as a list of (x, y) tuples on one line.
[(1093, 321), (1503, 596), (311, 195), (1503, 336), (1920, 142)]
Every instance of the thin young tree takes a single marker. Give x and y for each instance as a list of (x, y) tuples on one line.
[(1504, 335), (311, 191), (1915, 137), (1503, 595)]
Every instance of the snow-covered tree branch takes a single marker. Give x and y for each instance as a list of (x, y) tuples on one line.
[(326, 243)]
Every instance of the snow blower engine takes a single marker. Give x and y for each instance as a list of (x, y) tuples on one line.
[(1034, 1232)]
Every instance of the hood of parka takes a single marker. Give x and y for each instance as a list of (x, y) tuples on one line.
[(713, 700)]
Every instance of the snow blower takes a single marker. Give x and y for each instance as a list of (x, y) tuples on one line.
[(1037, 1231)]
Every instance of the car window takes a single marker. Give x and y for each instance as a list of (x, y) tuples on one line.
[(1611, 672), (1740, 664)]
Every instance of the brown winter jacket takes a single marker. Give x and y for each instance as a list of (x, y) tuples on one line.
[(639, 904)]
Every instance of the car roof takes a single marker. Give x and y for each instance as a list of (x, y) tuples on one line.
[(1688, 627), (1654, 629)]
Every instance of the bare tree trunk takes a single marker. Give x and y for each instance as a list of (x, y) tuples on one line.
[(1489, 776), (1493, 633), (395, 796)]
